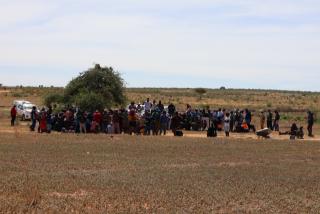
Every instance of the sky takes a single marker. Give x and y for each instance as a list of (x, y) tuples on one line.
[(267, 44)]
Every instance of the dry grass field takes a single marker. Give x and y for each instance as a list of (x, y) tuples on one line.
[(67, 173), (124, 174)]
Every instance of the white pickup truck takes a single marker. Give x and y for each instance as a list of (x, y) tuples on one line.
[(24, 109)]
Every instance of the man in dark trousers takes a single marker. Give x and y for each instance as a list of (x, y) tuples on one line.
[(310, 123), (269, 120), (13, 115), (34, 117), (276, 126)]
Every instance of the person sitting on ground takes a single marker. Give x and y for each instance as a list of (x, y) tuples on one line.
[(175, 122), (294, 132), (300, 134), (244, 127)]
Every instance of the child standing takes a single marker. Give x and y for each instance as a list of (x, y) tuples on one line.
[(227, 124)]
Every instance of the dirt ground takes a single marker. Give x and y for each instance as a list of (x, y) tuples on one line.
[(132, 174), (70, 173)]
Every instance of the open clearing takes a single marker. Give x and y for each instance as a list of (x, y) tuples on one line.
[(97, 173), (65, 173)]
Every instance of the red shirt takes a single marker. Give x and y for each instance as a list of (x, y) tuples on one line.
[(97, 117), (13, 112)]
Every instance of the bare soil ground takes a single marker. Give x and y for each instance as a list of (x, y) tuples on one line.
[(127, 174)]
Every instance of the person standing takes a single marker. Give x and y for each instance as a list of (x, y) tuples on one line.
[(310, 123), (262, 119), (147, 105), (232, 121), (13, 115), (116, 122), (160, 106), (171, 109), (81, 117), (227, 121), (34, 117), (43, 121), (276, 121), (269, 120), (97, 120), (164, 123)]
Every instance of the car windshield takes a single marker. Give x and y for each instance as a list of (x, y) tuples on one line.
[(27, 107)]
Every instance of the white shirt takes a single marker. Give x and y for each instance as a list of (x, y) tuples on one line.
[(147, 105)]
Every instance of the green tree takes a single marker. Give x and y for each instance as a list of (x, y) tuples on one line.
[(53, 98), (90, 101), (103, 81), (200, 92), (96, 88)]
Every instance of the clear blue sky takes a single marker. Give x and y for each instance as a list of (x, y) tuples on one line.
[(168, 43)]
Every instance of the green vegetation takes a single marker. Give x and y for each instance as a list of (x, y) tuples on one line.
[(97, 88)]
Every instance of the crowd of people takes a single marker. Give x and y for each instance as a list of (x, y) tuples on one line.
[(153, 118)]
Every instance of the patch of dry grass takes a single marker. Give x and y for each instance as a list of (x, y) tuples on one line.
[(96, 173)]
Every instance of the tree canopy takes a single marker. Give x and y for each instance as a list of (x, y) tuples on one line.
[(97, 88)]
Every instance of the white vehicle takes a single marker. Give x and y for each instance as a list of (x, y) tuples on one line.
[(24, 110), (20, 102)]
